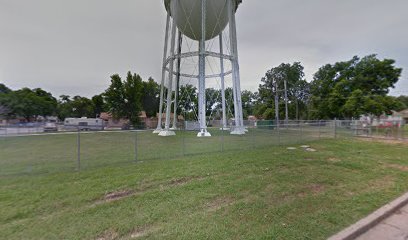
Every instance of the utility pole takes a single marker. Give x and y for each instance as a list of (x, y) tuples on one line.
[(297, 109), (286, 100), (276, 103)]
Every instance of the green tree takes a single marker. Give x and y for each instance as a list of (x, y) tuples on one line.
[(188, 102), (82, 107), (4, 89), (151, 97), (212, 101), (352, 88), (273, 83), (99, 104), (64, 108), (124, 98), (4, 111), (28, 103), (403, 102), (248, 102)]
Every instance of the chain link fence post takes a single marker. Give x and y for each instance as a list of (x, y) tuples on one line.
[(79, 150), (136, 157), (6, 132), (222, 139), (252, 135), (183, 132), (320, 128), (335, 128), (301, 132)]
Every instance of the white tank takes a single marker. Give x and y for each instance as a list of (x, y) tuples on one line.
[(187, 14)]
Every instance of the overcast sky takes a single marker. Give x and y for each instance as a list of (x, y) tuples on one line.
[(73, 46)]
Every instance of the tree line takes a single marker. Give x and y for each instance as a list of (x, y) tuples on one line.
[(342, 90), (123, 99)]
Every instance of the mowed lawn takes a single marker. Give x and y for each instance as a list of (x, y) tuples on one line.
[(259, 193)]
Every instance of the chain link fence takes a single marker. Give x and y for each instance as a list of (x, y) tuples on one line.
[(34, 149), (387, 130)]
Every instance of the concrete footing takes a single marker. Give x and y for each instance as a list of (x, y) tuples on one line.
[(238, 131), (167, 133), (157, 131), (203, 133)]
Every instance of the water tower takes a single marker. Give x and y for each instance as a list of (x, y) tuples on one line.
[(193, 28)]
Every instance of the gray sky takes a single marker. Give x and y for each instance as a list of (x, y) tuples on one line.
[(73, 46)]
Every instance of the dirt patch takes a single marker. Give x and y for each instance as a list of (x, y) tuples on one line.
[(142, 231), (114, 196), (219, 203), (313, 189), (398, 167), (382, 183), (333, 160), (183, 181), (177, 182), (180, 181), (317, 188), (139, 232), (301, 194), (108, 235), (121, 194)]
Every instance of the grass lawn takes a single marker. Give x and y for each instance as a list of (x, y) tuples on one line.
[(259, 193)]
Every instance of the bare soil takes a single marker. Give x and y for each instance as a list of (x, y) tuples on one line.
[(219, 203)]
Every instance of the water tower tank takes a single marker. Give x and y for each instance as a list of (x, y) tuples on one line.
[(187, 15)]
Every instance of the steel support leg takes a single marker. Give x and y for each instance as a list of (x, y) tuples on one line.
[(239, 121), (224, 113), (167, 131), (201, 81), (176, 95), (166, 39)]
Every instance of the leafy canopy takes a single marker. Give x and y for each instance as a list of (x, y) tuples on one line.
[(352, 88)]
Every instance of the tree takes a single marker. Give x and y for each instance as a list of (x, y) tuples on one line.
[(403, 102), (124, 98), (212, 100), (115, 97), (4, 89), (28, 103), (82, 107), (248, 102), (46, 102), (4, 111), (273, 83), (151, 97), (188, 102), (229, 102), (76, 107), (64, 108), (99, 104), (353, 88)]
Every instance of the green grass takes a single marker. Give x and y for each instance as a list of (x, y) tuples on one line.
[(258, 193)]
